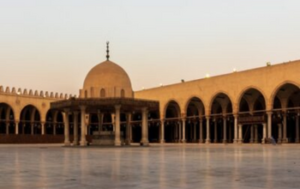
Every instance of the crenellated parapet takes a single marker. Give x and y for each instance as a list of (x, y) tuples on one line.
[(34, 94)]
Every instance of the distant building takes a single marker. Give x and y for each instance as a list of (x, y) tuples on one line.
[(242, 107)]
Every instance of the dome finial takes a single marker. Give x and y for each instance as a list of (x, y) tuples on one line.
[(107, 50)]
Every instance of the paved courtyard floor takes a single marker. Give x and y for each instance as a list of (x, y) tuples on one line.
[(169, 166)]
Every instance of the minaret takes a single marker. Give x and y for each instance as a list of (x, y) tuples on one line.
[(107, 50)]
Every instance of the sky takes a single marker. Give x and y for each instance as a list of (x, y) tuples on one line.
[(52, 45)]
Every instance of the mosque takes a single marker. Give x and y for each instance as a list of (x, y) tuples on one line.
[(249, 106)]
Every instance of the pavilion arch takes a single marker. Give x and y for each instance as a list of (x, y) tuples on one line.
[(251, 91), (281, 89), (172, 109), (226, 100), (6, 106), (197, 104)]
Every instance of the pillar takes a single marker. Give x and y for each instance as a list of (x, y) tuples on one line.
[(100, 121), (279, 133), (207, 141), (32, 128), (183, 130), (16, 127), (117, 126), (252, 134), (145, 140), (43, 128), (66, 128), (297, 129), (229, 133), (201, 131), (75, 128), (83, 141), (216, 131), (256, 133), (240, 133), (7, 128), (269, 130), (54, 128), (195, 131), (284, 137), (235, 140), (176, 132), (264, 133), (128, 129), (162, 131), (224, 130)]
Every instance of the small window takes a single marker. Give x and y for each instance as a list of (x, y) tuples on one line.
[(102, 93), (122, 93)]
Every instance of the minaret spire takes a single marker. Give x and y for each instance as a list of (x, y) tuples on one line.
[(107, 50)]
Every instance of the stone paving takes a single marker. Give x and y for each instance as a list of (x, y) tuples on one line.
[(168, 166)]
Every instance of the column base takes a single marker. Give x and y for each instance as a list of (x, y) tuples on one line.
[(224, 140), (67, 143), (128, 142), (162, 141), (144, 143), (183, 141), (207, 141), (200, 141), (235, 141), (118, 143), (83, 143), (285, 140)]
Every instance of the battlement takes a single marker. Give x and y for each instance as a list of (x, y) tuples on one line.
[(32, 93)]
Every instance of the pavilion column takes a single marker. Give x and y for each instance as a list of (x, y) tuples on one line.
[(240, 133), (201, 131), (23, 128), (117, 126), (16, 127), (195, 132), (264, 133), (207, 141), (224, 130), (145, 140), (235, 140), (183, 130), (269, 135), (279, 133), (128, 129), (252, 134), (75, 131), (256, 133), (67, 127), (83, 141), (100, 121), (229, 133), (7, 128), (216, 131), (162, 131), (284, 137), (297, 129)]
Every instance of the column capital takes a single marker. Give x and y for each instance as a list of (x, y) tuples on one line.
[(269, 113), (236, 115), (67, 110), (82, 108), (117, 107), (207, 116)]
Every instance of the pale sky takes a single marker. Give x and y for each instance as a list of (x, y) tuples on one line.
[(51, 45)]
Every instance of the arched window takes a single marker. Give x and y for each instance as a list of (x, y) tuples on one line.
[(122, 93), (102, 93)]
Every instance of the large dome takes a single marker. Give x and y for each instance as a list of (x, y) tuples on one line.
[(107, 79)]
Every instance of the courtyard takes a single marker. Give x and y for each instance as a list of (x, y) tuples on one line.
[(158, 166)]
